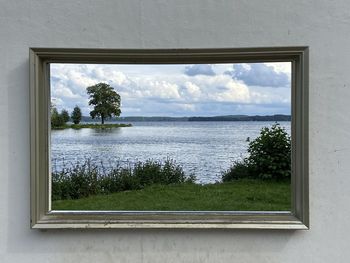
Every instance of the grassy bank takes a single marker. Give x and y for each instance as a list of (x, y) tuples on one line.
[(240, 195), (92, 126)]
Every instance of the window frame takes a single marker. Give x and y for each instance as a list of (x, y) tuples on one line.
[(42, 217)]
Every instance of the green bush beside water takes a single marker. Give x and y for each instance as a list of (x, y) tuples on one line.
[(86, 179), (269, 157)]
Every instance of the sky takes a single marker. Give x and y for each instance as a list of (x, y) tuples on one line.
[(178, 90)]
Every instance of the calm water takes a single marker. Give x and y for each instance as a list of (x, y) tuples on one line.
[(202, 148)]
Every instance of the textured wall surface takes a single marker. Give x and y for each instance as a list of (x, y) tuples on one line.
[(321, 24)]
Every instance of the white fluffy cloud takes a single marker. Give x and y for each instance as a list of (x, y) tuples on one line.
[(62, 91), (167, 90), (192, 89)]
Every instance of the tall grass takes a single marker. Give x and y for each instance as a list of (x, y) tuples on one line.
[(83, 180)]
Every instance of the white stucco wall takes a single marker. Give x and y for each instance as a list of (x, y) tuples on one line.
[(321, 24)]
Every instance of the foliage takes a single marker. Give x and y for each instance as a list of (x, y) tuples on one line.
[(239, 169), (56, 119), (65, 115), (105, 100), (76, 115), (270, 153), (269, 157), (84, 180)]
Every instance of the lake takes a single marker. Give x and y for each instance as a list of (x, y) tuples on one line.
[(201, 148)]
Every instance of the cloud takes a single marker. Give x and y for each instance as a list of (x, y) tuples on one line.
[(191, 89), (199, 69), (270, 96), (222, 88), (64, 92), (187, 107), (259, 74), (163, 90)]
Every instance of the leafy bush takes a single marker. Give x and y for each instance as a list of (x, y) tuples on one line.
[(269, 157), (154, 172), (76, 182), (58, 119), (270, 153), (85, 180), (237, 170)]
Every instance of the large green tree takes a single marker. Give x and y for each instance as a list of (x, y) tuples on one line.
[(106, 101), (76, 115)]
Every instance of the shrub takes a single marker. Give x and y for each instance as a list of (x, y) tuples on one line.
[(76, 182), (236, 171), (269, 157), (270, 153), (155, 172), (85, 180), (58, 119)]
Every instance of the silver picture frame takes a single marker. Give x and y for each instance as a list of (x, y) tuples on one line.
[(42, 217)]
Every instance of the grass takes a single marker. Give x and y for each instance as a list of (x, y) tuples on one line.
[(92, 126), (83, 180), (240, 195)]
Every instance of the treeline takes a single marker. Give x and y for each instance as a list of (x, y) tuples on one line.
[(153, 118), (60, 119), (277, 117)]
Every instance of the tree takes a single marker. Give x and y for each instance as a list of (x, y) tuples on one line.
[(56, 118), (65, 115), (76, 115), (105, 100), (269, 157)]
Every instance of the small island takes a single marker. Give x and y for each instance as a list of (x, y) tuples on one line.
[(92, 126), (106, 104)]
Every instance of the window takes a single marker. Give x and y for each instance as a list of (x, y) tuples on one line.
[(176, 134)]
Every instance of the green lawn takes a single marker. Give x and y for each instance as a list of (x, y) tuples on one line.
[(242, 195)]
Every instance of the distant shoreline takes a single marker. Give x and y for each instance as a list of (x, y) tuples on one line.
[(91, 125), (276, 117)]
